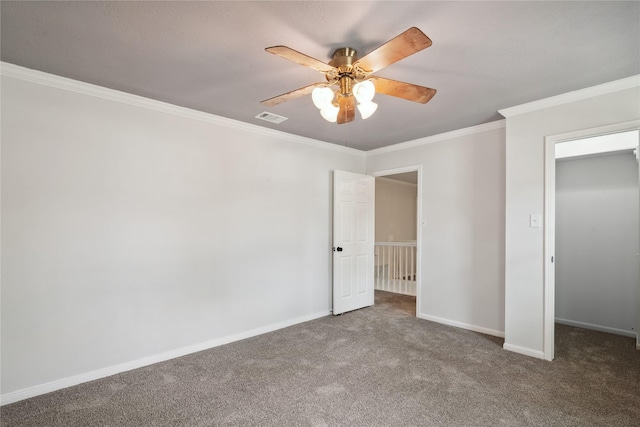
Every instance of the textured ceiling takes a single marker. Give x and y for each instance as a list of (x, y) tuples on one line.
[(209, 56)]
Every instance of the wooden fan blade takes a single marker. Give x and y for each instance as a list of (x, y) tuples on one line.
[(299, 58), (290, 95), (411, 41), (403, 90), (347, 109)]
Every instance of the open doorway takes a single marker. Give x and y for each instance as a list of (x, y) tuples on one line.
[(396, 262), (597, 234), (592, 273)]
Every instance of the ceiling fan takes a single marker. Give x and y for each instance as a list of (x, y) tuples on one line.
[(353, 77)]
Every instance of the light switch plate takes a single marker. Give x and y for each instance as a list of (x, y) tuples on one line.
[(535, 221)]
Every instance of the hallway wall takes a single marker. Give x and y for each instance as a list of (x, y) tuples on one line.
[(396, 206)]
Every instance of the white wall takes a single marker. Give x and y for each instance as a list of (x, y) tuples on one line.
[(395, 210), (526, 131), (597, 242), (462, 242), (130, 234), (128, 227)]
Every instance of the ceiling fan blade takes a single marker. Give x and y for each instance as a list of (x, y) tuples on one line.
[(299, 58), (347, 109), (403, 90), (411, 41), (290, 95)]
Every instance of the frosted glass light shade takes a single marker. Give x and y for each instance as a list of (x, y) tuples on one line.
[(330, 113), (367, 109), (364, 91), (322, 97)]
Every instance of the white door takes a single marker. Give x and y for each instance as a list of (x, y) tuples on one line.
[(353, 241)]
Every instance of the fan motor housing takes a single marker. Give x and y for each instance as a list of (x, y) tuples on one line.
[(343, 60), (344, 57)]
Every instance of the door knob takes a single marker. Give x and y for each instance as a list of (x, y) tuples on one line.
[(339, 249)]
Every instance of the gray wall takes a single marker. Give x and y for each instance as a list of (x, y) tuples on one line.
[(526, 131), (597, 242), (133, 232), (462, 224)]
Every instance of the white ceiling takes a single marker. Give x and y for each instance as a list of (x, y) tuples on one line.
[(209, 56)]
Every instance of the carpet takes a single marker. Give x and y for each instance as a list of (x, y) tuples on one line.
[(379, 366)]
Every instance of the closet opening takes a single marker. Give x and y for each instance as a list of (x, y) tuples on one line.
[(592, 233)]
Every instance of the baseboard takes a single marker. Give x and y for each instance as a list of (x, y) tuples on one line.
[(462, 325), (37, 390), (524, 350), (631, 334)]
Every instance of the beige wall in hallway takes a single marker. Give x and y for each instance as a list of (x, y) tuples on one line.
[(395, 210)]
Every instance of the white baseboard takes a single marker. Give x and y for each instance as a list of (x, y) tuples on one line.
[(524, 350), (37, 390), (593, 327), (462, 325)]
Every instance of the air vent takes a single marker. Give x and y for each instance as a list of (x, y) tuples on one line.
[(270, 117)]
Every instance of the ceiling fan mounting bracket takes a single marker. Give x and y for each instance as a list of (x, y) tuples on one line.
[(344, 57)]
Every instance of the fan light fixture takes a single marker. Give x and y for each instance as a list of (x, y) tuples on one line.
[(330, 113), (322, 97), (367, 109), (325, 99), (352, 78)]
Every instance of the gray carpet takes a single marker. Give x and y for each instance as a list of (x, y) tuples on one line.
[(379, 366)]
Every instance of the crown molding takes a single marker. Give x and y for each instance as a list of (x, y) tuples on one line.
[(577, 95), (498, 124), (64, 83)]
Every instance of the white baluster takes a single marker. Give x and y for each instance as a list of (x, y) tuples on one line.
[(396, 265)]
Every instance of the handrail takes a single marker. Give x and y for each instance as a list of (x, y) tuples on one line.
[(408, 243)]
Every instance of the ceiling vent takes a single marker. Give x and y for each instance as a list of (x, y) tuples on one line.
[(270, 117)]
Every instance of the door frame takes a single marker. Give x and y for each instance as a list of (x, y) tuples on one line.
[(419, 222), (548, 343)]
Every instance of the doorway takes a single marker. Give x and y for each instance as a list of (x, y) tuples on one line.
[(397, 232), (594, 149)]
